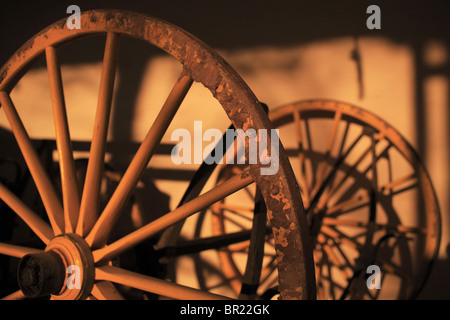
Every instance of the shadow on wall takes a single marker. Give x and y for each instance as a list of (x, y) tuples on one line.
[(437, 287)]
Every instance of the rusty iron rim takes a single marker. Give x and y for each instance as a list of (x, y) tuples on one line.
[(201, 64)]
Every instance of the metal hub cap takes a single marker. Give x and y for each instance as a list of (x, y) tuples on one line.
[(64, 270)]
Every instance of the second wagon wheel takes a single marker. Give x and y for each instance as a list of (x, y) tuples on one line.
[(369, 202), (75, 231)]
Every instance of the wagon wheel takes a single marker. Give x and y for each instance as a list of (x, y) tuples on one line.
[(368, 198), (75, 231)]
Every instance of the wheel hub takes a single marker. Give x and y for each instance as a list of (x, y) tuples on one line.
[(64, 270)]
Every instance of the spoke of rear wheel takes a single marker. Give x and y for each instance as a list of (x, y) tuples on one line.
[(230, 219), (370, 167), (343, 255), (94, 174), (153, 285), (330, 278), (356, 202), (39, 226), (330, 178), (16, 251), (99, 234), (41, 179), (344, 270), (409, 179), (340, 154), (400, 229), (208, 198), (69, 184), (315, 204), (340, 238), (241, 211), (320, 174)]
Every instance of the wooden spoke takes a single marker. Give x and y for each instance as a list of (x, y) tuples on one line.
[(105, 290), (219, 192), (238, 214), (339, 258), (153, 285), (361, 224), (320, 176), (341, 222), (231, 219), (328, 265), (320, 277), (224, 282), (334, 259), (332, 139), (69, 183), (370, 167), (343, 255), (339, 238), (351, 169), (410, 179), (16, 251), (322, 294), (315, 203), (99, 234), (375, 157), (356, 202), (344, 139), (308, 135), (242, 211), (412, 186), (239, 247), (39, 226), (94, 174), (340, 156), (18, 295), (43, 183), (374, 161)]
